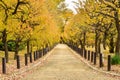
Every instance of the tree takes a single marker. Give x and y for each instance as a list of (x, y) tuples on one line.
[(113, 7)]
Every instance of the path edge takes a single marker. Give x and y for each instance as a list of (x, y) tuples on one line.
[(14, 75), (94, 68)]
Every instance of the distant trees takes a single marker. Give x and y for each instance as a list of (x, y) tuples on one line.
[(98, 19)]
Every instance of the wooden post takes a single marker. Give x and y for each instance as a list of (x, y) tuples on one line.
[(88, 55), (43, 52), (18, 62), (85, 54), (26, 60), (109, 63), (3, 65), (39, 53), (79, 51), (34, 56), (94, 58), (100, 60), (30, 57)]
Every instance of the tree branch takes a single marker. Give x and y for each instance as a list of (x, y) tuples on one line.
[(6, 8), (110, 4), (105, 14), (17, 6)]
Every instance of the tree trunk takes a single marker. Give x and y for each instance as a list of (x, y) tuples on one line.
[(99, 47), (31, 48), (28, 46), (4, 40), (82, 43), (16, 49), (104, 40), (84, 39), (82, 46), (96, 42), (111, 49), (117, 51), (118, 44)]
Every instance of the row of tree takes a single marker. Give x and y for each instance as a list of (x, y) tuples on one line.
[(96, 22), (32, 22)]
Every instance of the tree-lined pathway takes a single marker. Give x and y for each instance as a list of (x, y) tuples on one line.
[(63, 65)]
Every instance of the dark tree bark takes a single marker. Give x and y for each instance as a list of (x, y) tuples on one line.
[(84, 39), (16, 49), (99, 47), (31, 48), (118, 31), (97, 35), (111, 49), (17, 6), (83, 42), (28, 46), (82, 46), (4, 40), (104, 40)]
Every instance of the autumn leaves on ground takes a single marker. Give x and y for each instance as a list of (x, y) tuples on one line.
[(30, 25)]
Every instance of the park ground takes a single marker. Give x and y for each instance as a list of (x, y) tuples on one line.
[(62, 64)]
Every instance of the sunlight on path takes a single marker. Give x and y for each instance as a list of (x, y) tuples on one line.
[(61, 46)]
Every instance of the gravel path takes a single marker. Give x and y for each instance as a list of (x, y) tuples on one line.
[(63, 65)]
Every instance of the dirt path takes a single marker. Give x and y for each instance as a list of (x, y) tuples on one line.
[(63, 65)]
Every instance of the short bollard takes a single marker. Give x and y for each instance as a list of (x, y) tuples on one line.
[(39, 54), (46, 50), (94, 58), (100, 60), (85, 54), (88, 55), (18, 62), (34, 56), (79, 51), (109, 63), (30, 57), (3, 65), (26, 60), (43, 52)]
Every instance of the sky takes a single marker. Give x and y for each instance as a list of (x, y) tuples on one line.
[(71, 5)]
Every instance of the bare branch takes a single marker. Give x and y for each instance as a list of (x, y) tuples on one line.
[(18, 4)]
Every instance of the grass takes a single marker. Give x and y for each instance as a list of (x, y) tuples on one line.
[(105, 52), (115, 60), (11, 54)]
